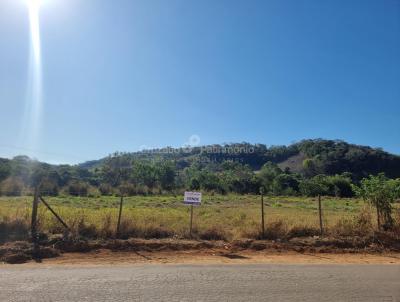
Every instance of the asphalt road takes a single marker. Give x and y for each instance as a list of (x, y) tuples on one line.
[(267, 282)]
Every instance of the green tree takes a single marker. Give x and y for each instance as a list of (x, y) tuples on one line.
[(116, 169), (340, 186), (5, 169), (144, 173), (166, 175), (286, 184), (381, 192), (267, 175), (314, 186)]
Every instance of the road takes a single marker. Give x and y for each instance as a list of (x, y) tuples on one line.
[(266, 282)]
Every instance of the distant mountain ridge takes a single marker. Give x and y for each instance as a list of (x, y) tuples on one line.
[(242, 168), (308, 157), (316, 156)]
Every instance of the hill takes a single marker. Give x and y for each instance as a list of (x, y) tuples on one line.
[(240, 167), (313, 156)]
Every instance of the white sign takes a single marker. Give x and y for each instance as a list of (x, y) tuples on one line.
[(192, 198)]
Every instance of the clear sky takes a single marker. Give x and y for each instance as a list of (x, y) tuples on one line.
[(118, 75)]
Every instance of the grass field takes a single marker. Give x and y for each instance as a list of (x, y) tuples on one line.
[(219, 217)]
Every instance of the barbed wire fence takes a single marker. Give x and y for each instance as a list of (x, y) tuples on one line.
[(261, 225)]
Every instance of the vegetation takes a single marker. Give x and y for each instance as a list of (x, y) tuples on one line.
[(307, 168), (381, 192), (225, 217)]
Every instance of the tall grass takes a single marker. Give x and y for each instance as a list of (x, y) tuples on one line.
[(219, 218)]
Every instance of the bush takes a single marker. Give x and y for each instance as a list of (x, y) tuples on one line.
[(344, 227), (93, 192), (78, 188), (106, 189), (275, 230), (87, 231), (49, 188), (13, 230), (12, 186), (303, 231), (314, 186), (128, 189), (213, 233), (363, 222)]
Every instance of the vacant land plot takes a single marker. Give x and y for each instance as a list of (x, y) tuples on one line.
[(224, 217)]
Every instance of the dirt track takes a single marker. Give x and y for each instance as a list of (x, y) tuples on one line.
[(107, 257), (191, 251)]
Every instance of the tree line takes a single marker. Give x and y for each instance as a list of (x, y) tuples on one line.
[(308, 168)]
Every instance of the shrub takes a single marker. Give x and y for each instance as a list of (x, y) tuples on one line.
[(275, 230), (303, 231), (13, 230), (344, 227), (381, 192), (127, 189), (87, 231), (363, 222), (157, 232), (78, 188), (106, 189), (214, 233), (93, 192), (107, 229), (12, 186)]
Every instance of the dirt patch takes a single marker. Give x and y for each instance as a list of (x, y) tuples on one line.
[(214, 256), (379, 243), (21, 252)]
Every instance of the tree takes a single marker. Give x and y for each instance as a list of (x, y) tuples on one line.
[(267, 175), (309, 167), (166, 175), (314, 186), (238, 178), (12, 186), (116, 170), (381, 192), (286, 184), (78, 188), (144, 172), (5, 169), (340, 185)]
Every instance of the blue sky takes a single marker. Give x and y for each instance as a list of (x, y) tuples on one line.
[(118, 75)]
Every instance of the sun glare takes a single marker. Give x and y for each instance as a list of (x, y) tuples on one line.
[(34, 4), (34, 93)]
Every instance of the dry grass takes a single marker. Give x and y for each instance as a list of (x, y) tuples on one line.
[(219, 218)]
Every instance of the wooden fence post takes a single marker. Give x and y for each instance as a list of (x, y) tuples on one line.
[(119, 215), (262, 214), (35, 204), (320, 215), (191, 220)]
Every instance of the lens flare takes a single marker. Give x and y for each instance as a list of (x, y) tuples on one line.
[(33, 6), (33, 108)]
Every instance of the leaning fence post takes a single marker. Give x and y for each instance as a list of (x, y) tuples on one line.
[(119, 215), (320, 215), (54, 213)]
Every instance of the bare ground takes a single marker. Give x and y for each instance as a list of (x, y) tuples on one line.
[(177, 251), (107, 257)]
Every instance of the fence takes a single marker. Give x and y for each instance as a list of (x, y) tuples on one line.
[(220, 217)]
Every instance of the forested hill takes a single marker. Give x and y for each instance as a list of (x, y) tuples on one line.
[(309, 157), (241, 168)]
